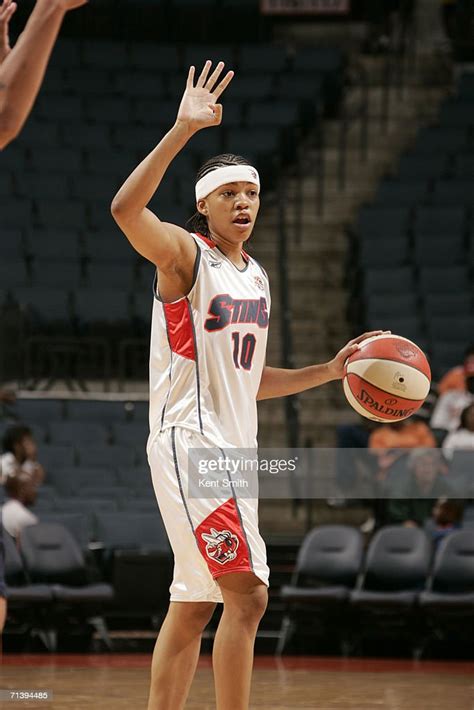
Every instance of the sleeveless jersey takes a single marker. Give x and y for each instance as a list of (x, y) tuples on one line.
[(207, 350)]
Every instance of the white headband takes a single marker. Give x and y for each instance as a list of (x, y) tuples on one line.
[(221, 176)]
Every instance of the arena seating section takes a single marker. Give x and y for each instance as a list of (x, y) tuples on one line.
[(400, 588), (105, 104), (412, 258)]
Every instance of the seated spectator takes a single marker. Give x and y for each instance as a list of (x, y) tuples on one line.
[(7, 396), (20, 454), (447, 412), (455, 379), (412, 502), (389, 440), (446, 517), (22, 491), (463, 437)]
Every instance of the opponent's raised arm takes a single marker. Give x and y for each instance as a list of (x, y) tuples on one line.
[(22, 68), (164, 244)]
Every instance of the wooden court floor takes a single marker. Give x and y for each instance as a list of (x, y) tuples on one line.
[(121, 681)]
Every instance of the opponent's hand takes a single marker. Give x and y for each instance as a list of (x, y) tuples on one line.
[(336, 366), (7, 8), (198, 108)]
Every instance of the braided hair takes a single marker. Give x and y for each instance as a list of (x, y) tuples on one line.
[(198, 222)]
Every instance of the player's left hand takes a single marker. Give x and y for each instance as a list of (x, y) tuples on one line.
[(7, 8), (336, 365)]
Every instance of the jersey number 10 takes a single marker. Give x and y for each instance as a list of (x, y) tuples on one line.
[(243, 350)]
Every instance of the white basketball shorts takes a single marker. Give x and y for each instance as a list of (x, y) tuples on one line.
[(210, 536)]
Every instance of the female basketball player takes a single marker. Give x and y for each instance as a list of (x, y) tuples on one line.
[(207, 370)]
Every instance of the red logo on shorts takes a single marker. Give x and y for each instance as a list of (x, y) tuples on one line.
[(221, 546)]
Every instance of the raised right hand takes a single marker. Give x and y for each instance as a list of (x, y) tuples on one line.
[(198, 108)]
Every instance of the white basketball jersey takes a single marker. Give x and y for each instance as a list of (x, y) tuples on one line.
[(208, 349)]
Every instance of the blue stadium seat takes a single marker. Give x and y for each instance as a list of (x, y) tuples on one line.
[(141, 84), (133, 478), (85, 505), (273, 113), (12, 247), (149, 111), (447, 304), (85, 135), (80, 525), (14, 158), (438, 250), (49, 187), (117, 165), (413, 167), (463, 168), (56, 456), (451, 328), (153, 57), (132, 530), (253, 143), (48, 304), (63, 274), (112, 247), (36, 133), (466, 86), (130, 433), (16, 212), (102, 305), (262, 58), (61, 214), (59, 160), (440, 220), (408, 327), (453, 193), (108, 110), (72, 480), (318, 59), (66, 54), (251, 88), (397, 280), (113, 456), (62, 107), (107, 54), (395, 305), (60, 245), (198, 54), (111, 275), (382, 252), (299, 86), (101, 411), (382, 223), (14, 274), (392, 193), (38, 410), (78, 433), (439, 140), (446, 354), (84, 82), (451, 279), (456, 113)]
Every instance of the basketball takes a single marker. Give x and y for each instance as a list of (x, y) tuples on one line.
[(387, 379)]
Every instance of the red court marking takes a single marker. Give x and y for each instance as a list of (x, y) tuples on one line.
[(314, 663)]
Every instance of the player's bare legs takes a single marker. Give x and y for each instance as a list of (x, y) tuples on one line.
[(176, 654), (245, 600)]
